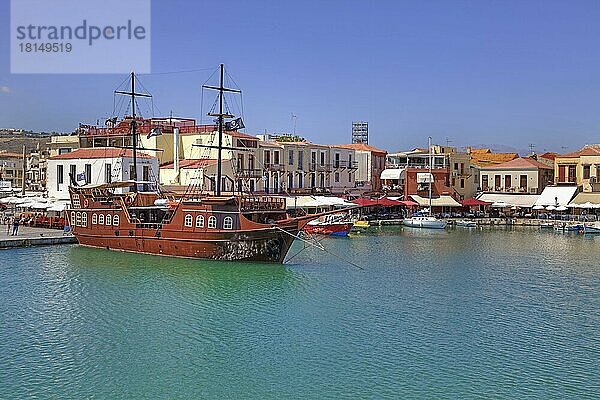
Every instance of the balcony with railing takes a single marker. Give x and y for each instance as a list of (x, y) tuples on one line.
[(248, 173), (317, 167), (517, 189), (343, 164)]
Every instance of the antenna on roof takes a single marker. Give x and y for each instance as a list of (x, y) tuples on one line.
[(294, 122)]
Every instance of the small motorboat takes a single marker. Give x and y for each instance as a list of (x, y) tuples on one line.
[(568, 227), (425, 222), (546, 225), (465, 223), (360, 226), (332, 225)]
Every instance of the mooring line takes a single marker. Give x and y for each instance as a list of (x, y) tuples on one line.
[(322, 248)]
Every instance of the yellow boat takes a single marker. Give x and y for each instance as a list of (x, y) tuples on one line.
[(361, 226)]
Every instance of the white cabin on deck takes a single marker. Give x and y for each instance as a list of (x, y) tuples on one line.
[(97, 166)]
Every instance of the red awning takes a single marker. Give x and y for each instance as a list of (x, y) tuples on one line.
[(409, 203), (474, 202), (385, 202), (364, 202)]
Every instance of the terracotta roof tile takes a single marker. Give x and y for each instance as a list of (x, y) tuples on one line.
[(362, 147), (589, 150), (520, 163), (487, 159), (7, 154), (549, 155)]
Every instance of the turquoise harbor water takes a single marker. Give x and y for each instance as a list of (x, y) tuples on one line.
[(434, 314)]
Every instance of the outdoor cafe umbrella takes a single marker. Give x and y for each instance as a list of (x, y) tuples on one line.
[(550, 208), (58, 206), (561, 208), (538, 207), (500, 204)]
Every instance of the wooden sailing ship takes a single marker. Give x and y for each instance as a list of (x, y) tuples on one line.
[(120, 216)]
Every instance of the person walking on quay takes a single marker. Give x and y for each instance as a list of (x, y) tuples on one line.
[(15, 230), (8, 225)]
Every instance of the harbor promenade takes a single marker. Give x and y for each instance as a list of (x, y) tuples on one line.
[(34, 237)]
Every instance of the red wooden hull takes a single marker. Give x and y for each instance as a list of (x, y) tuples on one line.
[(215, 229), (333, 229), (239, 246)]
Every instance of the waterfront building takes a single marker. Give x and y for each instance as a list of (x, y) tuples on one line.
[(464, 175), (11, 169), (370, 163), (407, 173), (581, 168), (97, 166), (313, 168), (520, 175), (36, 169), (277, 164)]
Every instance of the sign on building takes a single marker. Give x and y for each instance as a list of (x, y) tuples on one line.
[(360, 132)]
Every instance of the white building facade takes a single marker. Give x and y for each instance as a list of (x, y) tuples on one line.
[(92, 166)]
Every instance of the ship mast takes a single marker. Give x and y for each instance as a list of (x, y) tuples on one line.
[(220, 116), (430, 173), (134, 137)]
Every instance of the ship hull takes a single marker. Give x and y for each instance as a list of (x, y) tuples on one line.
[(341, 229), (265, 246)]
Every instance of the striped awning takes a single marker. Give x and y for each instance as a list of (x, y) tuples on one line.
[(441, 201)]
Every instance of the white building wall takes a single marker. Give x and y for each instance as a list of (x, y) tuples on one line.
[(532, 179), (120, 168)]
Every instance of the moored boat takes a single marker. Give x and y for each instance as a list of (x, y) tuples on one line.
[(135, 217), (360, 226), (466, 223), (332, 225), (568, 227), (425, 222), (591, 228)]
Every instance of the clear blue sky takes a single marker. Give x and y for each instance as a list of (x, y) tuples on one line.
[(476, 72)]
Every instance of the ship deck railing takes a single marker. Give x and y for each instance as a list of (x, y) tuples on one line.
[(257, 203)]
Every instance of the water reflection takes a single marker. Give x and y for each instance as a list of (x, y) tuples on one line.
[(489, 312)]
